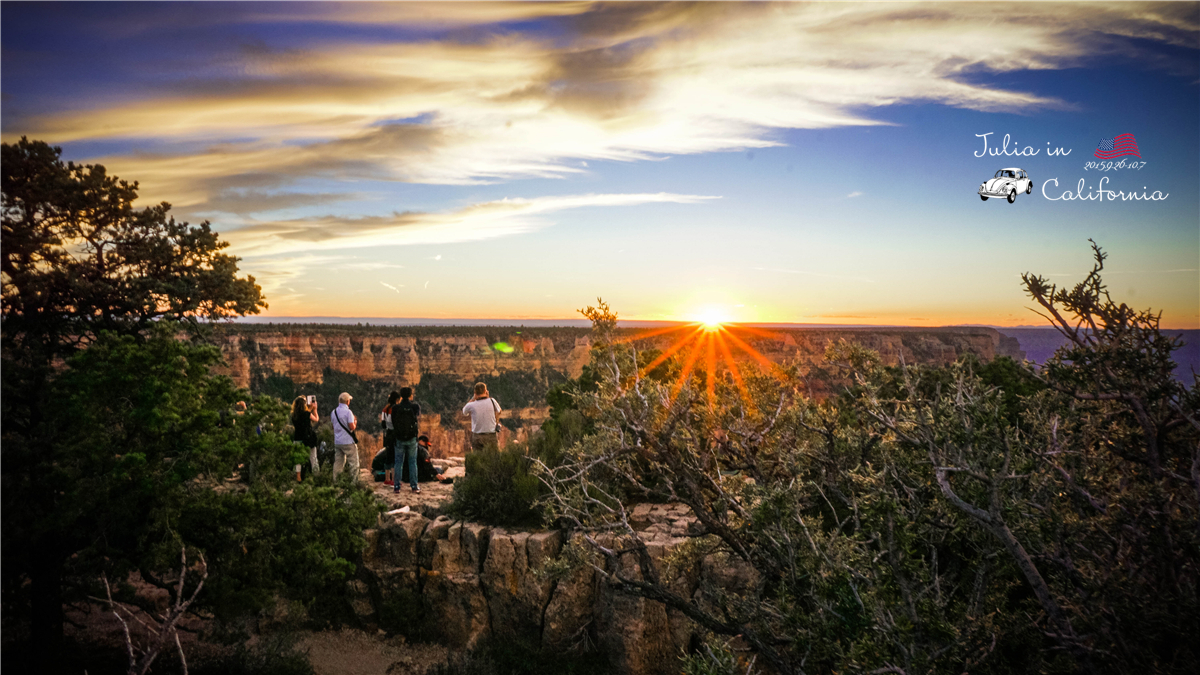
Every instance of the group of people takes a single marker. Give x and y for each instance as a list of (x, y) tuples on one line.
[(400, 420)]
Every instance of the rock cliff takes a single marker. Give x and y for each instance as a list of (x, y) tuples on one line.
[(475, 582), (520, 364), (305, 353)]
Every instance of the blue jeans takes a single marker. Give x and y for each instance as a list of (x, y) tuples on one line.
[(403, 448)]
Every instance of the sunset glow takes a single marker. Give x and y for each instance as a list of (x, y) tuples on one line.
[(708, 349), (712, 319), (714, 162)]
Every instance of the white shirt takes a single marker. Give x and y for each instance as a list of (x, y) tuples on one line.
[(341, 436), (483, 415)]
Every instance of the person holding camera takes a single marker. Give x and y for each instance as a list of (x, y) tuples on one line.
[(304, 416), (485, 419)]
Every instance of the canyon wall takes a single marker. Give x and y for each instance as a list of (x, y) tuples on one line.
[(304, 353), (521, 364), (471, 582)]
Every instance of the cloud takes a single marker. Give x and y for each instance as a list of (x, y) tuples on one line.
[(475, 222), (476, 97), (387, 285), (277, 273), (856, 193)]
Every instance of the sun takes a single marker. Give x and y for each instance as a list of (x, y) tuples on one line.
[(702, 345), (711, 319)]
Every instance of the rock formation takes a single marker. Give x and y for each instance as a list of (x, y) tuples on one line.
[(473, 582), (530, 359), (304, 352)]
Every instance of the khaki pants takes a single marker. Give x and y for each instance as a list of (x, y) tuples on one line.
[(482, 441), (345, 456)]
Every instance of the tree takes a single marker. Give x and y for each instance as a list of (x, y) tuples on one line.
[(79, 260), (971, 517)]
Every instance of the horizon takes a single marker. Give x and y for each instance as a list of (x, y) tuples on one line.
[(756, 164), (496, 322)]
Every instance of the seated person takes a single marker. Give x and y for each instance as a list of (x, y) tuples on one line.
[(426, 470), (383, 460)]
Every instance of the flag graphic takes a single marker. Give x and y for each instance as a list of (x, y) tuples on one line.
[(1117, 147)]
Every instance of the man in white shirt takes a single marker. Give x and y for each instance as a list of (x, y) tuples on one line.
[(484, 412), (345, 447)]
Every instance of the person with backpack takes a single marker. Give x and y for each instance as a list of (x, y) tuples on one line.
[(404, 416)]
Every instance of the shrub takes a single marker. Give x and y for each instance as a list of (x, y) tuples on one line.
[(498, 488)]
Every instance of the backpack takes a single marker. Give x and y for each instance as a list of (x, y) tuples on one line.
[(404, 420)]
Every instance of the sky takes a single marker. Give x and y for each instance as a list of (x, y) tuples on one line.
[(753, 162)]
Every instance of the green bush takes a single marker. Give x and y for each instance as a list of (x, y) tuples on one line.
[(498, 488)]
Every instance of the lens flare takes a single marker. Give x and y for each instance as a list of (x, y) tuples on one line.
[(704, 347), (711, 319)]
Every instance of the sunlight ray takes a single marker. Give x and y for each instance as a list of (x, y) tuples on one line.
[(711, 349), (733, 369), (770, 366), (693, 356), (653, 333), (669, 352)]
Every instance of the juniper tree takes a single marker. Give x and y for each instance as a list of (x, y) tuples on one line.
[(962, 518)]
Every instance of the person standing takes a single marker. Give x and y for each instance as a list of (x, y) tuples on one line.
[(405, 414), (345, 442), (485, 422), (304, 416), (389, 436)]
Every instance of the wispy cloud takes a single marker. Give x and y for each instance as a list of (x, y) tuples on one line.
[(387, 285), (618, 82), (479, 221), (856, 193)]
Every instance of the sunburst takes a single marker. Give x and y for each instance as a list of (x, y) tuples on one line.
[(707, 344)]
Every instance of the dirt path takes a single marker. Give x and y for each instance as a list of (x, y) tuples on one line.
[(353, 652)]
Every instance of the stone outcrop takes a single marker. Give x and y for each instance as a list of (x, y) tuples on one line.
[(474, 582), (304, 353), (402, 354)]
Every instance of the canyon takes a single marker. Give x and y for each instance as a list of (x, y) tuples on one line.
[(471, 583), (520, 364)]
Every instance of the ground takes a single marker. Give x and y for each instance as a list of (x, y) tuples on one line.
[(353, 652), (432, 494)]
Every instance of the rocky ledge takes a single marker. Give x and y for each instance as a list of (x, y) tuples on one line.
[(470, 582)]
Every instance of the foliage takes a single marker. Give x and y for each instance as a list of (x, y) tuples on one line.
[(498, 488), (971, 517), (118, 455), (79, 258), (714, 657), (155, 467)]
